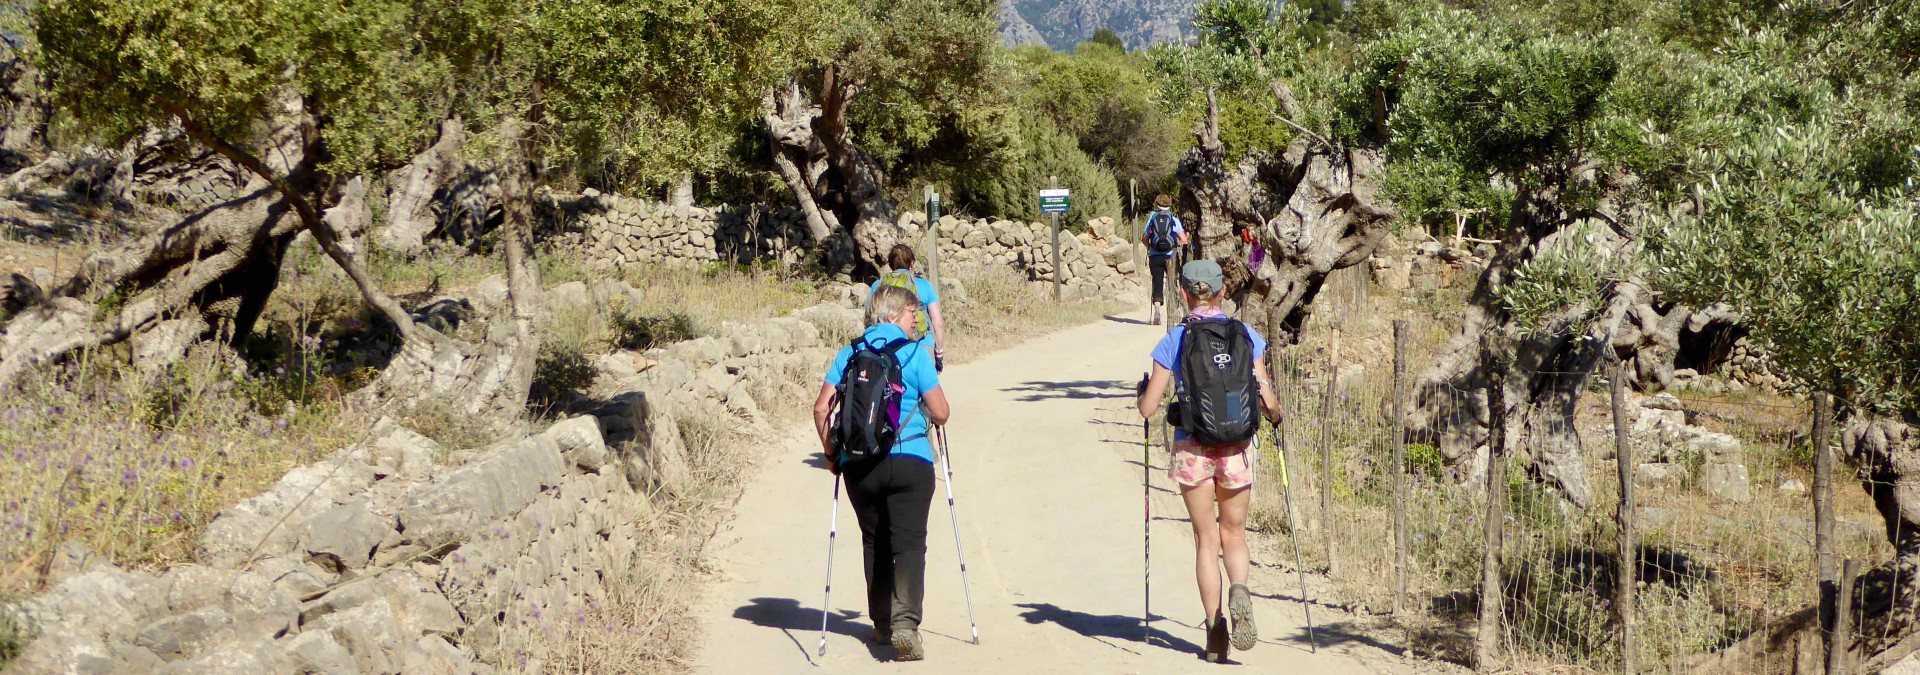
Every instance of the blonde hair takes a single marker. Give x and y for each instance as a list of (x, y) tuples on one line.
[(887, 302), (1215, 298)]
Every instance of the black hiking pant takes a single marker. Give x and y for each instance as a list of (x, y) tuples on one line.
[(1157, 267), (891, 498)]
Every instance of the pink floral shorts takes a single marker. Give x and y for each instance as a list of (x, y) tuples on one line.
[(1229, 466)]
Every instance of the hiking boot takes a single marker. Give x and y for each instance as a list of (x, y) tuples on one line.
[(1240, 607), (880, 636), (907, 642), (1216, 639), (1156, 314)]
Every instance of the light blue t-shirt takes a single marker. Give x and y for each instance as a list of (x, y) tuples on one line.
[(1178, 229), (916, 372), (928, 297), (1167, 354)]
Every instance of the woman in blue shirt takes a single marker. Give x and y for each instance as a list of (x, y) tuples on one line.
[(1211, 476), (901, 259), (891, 496)]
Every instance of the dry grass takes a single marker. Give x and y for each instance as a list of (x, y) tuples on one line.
[(1714, 570), (645, 624), (1004, 309), (133, 468)]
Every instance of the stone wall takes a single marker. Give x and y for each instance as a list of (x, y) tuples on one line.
[(397, 556), (618, 231)]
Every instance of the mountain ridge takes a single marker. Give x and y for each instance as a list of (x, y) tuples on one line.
[(1061, 24)]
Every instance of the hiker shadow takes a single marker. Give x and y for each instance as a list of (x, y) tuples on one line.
[(1077, 390), (1335, 634), (1109, 629), (1122, 319), (787, 615)]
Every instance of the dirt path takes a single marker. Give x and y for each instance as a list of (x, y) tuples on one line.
[(1046, 463)]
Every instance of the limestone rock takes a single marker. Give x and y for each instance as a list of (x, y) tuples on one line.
[(580, 442), (186, 635), (570, 294), (1727, 481), (345, 536), (1656, 474), (508, 478), (317, 652)]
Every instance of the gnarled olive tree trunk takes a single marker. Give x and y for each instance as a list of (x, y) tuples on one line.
[(211, 275), (491, 379), (210, 272), (410, 217), (1314, 209), (835, 182)]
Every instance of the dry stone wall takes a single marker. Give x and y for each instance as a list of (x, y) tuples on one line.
[(620, 231), (397, 556)]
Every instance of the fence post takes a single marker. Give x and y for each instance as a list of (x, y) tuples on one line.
[(1053, 183), (1823, 507), (1490, 593), (1399, 432), (1326, 457), (1842, 620), (1629, 562)]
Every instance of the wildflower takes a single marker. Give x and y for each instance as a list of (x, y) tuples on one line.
[(129, 477)]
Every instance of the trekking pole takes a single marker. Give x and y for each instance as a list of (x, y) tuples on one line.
[(833, 529), (1146, 529), (1286, 488), (953, 517)]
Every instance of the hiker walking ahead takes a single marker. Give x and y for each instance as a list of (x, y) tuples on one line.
[(1214, 362), (1163, 236), (885, 457), (929, 326)]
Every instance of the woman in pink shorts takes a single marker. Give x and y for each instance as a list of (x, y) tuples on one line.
[(1213, 475)]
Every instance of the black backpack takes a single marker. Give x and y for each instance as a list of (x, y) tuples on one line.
[(866, 418), (1217, 389), (1160, 239)]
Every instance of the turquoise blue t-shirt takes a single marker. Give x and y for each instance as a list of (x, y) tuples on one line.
[(916, 372), (1167, 354), (928, 297)]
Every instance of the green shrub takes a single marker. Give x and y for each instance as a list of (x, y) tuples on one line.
[(558, 373), (649, 331), (1425, 459)]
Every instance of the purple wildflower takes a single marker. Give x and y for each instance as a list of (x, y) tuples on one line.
[(129, 477)]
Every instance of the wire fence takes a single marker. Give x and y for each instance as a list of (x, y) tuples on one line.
[(1403, 478)]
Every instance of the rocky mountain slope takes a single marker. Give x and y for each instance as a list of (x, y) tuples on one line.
[(1061, 24)]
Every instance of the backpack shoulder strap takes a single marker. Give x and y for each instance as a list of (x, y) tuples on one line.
[(893, 348)]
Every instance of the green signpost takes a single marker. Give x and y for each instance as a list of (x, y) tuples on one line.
[(1053, 202)]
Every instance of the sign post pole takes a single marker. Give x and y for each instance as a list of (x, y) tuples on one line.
[(933, 237), (1133, 229), (1053, 201)]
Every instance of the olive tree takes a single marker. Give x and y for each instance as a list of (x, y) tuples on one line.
[(882, 82)]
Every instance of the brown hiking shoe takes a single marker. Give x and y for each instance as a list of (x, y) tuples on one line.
[(1240, 607), (880, 636), (907, 642), (1216, 639)]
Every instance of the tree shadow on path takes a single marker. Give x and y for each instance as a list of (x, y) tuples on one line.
[(1109, 629), (1079, 389), (795, 620)]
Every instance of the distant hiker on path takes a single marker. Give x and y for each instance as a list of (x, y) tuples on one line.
[(1164, 235), (887, 390), (929, 324), (1214, 362)]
